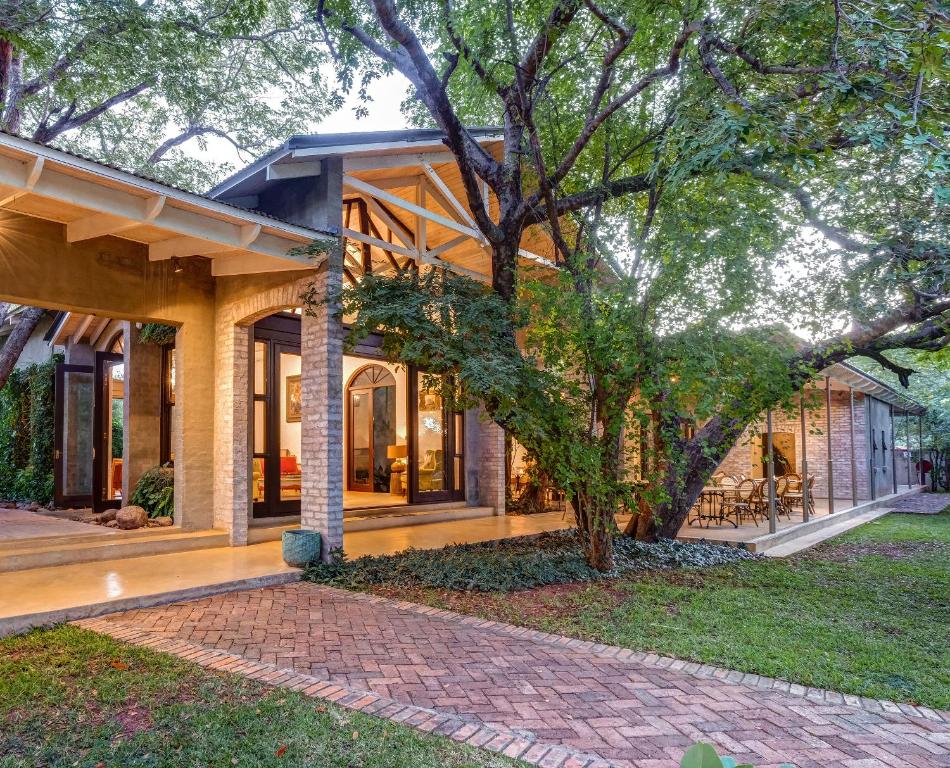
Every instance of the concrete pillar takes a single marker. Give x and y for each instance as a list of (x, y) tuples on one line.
[(195, 402), (142, 409), (232, 477), (321, 346)]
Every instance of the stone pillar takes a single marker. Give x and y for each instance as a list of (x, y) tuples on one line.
[(142, 409), (232, 478), (485, 462), (195, 404), (321, 346)]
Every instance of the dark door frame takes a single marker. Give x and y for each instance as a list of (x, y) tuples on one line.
[(449, 452), (280, 333), (370, 389), (101, 410), (59, 434)]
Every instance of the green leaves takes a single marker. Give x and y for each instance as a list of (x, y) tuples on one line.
[(704, 755)]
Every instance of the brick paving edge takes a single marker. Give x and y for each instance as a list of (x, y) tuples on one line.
[(518, 745), (647, 659)]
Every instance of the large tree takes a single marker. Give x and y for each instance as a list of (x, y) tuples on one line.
[(703, 169), (146, 84)]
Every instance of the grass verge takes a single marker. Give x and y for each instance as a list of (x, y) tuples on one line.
[(867, 613), (69, 697)]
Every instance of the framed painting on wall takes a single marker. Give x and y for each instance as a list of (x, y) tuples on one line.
[(293, 399)]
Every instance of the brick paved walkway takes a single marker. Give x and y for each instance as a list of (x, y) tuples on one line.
[(923, 503), (535, 690)]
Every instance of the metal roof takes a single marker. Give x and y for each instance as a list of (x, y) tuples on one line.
[(151, 180), (304, 147), (869, 385)]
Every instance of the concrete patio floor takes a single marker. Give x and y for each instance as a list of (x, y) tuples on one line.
[(41, 596)]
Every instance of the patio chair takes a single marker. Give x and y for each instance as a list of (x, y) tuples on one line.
[(794, 495), (739, 503)]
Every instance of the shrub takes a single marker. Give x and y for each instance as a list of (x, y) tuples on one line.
[(512, 564), (155, 492), (703, 755)]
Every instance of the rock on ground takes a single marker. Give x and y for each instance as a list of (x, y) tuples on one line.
[(131, 517)]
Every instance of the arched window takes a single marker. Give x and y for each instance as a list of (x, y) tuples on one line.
[(371, 418)]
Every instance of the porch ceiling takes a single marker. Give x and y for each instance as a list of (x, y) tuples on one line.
[(92, 199)]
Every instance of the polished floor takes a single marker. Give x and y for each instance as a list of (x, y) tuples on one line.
[(60, 588), (22, 525)]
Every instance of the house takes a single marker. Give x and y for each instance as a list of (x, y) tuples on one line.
[(265, 418)]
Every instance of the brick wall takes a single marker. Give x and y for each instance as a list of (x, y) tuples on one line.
[(239, 303), (322, 423), (740, 459)]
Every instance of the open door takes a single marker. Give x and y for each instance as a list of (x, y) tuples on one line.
[(109, 420), (74, 436), (436, 440)]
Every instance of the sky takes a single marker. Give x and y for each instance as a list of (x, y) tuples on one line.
[(387, 94)]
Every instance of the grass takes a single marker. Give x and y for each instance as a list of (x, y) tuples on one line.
[(69, 697), (867, 613)]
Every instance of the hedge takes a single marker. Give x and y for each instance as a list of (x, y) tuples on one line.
[(27, 413)]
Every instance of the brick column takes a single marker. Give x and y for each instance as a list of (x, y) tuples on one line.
[(142, 409), (322, 405), (490, 465), (232, 430)]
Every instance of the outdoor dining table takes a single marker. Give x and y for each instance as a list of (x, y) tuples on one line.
[(710, 504)]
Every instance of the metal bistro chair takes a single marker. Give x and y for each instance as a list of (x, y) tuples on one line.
[(739, 503), (794, 496)]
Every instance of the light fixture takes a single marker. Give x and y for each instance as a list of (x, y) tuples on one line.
[(177, 266)]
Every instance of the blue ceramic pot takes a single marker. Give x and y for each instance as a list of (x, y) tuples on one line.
[(300, 548)]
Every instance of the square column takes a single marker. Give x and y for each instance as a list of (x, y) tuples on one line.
[(142, 409), (232, 480), (194, 406), (321, 346), (485, 462)]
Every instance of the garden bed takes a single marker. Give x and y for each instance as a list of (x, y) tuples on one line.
[(515, 564)]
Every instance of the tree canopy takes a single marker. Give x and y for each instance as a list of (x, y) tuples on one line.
[(711, 175), (146, 84)]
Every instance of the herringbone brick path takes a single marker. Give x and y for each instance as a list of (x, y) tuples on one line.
[(631, 709)]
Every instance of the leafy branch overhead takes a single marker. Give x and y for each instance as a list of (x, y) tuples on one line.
[(146, 84)]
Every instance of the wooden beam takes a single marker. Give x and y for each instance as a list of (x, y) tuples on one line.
[(453, 202), (414, 208), (447, 246), (420, 216), (293, 170), (100, 329), (33, 169), (83, 327), (387, 251), (100, 224), (352, 234), (392, 222), (185, 246)]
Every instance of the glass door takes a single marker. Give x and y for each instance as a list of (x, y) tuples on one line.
[(276, 418), (109, 419), (73, 450), (436, 466), (371, 413)]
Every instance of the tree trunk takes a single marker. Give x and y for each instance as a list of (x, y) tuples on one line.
[(10, 352), (595, 523)]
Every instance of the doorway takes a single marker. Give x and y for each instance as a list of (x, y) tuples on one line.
[(371, 420), (277, 413), (436, 446)]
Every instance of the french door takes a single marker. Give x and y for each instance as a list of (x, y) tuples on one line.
[(276, 417), (89, 433), (74, 435), (436, 445)]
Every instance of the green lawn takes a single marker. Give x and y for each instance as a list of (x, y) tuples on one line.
[(867, 613), (69, 697)]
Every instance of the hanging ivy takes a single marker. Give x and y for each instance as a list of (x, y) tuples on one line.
[(157, 333), (27, 413)]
